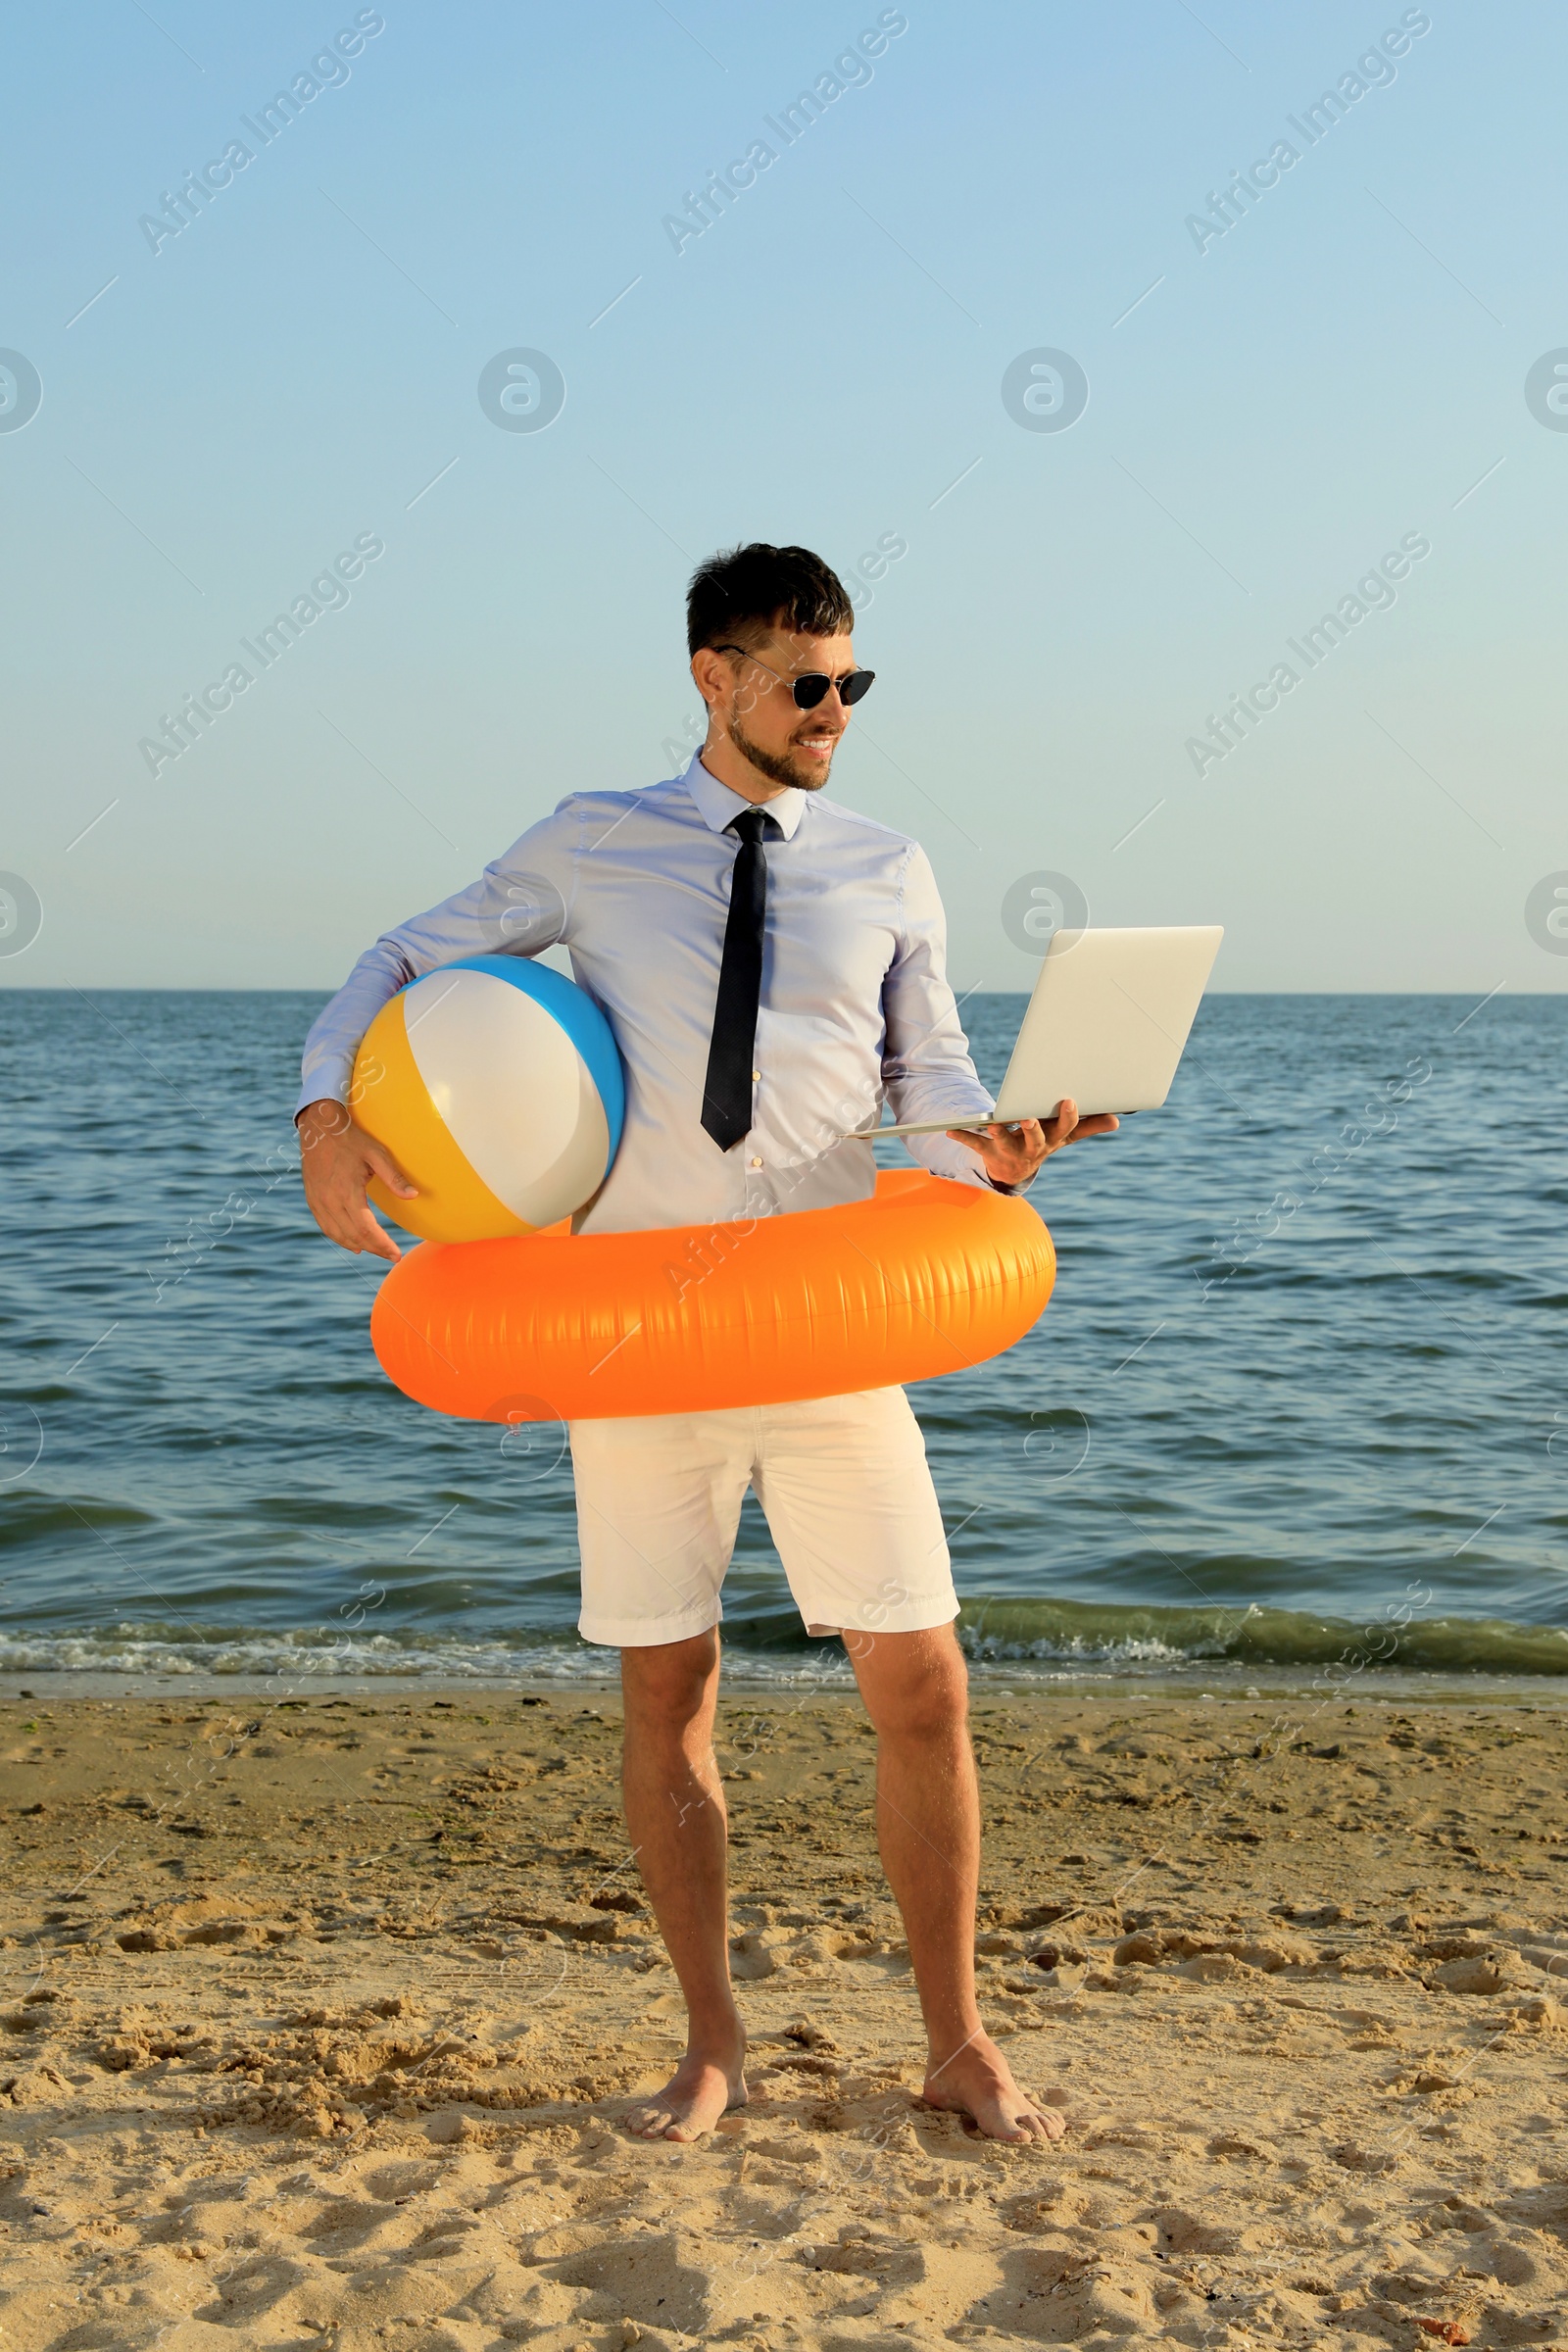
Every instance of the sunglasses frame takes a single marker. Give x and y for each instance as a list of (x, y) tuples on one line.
[(811, 678)]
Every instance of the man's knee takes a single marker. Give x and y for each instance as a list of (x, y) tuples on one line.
[(670, 1682), (933, 1711), (915, 1685)]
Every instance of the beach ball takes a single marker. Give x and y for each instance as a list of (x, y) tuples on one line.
[(496, 1085)]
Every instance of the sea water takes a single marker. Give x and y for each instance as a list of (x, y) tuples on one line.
[(1299, 1403)]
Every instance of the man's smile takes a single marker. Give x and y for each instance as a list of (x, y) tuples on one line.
[(819, 743)]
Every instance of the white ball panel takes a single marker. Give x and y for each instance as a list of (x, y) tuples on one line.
[(577, 1174), (512, 1089)]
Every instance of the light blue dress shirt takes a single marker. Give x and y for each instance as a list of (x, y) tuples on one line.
[(855, 1007)]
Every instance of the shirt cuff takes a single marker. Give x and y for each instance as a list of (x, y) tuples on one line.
[(327, 1082)]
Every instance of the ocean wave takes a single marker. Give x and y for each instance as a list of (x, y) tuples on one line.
[(309, 1655), (1045, 1640), (1122, 1635)]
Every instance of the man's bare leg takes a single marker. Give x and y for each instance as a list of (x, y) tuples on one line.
[(675, 1817), (915, 1689)]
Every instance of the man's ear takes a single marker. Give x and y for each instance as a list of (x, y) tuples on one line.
[(709, 673)]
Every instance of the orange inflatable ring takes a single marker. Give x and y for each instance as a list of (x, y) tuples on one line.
[(927, 1277)]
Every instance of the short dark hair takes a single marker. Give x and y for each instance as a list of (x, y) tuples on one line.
[(743, 592)]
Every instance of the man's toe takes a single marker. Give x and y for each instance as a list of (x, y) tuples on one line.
[(1016, 2122), (993, 2120)]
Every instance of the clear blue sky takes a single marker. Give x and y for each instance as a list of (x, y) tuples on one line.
[(824, 363)]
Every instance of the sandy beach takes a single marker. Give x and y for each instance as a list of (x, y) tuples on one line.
[(320, 2016)]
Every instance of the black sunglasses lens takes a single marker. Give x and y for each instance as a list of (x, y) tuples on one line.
[(812, 688)]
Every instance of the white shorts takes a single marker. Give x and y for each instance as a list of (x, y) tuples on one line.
[(843, 1481)]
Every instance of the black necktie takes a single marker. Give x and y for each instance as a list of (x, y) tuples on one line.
[(727, 1089)]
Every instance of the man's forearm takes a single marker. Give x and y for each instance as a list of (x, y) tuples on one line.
[(327, 1071), (511, 910)]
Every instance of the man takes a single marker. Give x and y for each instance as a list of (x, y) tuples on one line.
[(772, 966)]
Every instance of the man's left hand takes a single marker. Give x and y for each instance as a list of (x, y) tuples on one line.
[(1013, 1154)]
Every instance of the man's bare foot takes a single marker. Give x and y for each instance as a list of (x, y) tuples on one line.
[(976, 2080), (696, 2094)]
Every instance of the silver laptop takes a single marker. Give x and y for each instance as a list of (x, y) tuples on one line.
[(1105, 1025)]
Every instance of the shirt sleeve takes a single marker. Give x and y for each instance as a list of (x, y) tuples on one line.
[(520, 905), (926, 1066)]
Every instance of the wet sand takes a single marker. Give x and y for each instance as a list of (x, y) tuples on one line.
[(320, 2016)]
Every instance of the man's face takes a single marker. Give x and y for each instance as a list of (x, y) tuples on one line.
[(764, 723)]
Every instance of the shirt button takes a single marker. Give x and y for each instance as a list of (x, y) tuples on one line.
[(756, 1076), (756, 1163)]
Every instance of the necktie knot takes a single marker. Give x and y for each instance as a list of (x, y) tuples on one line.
[(754, 825)]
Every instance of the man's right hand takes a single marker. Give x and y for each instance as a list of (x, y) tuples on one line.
[(337, 1160)]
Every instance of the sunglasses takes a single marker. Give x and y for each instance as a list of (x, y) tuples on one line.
[(813, 686)]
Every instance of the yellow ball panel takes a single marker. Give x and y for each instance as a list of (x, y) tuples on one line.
[(391, 1102)]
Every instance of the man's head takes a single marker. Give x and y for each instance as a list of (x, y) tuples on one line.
[(758, 618)]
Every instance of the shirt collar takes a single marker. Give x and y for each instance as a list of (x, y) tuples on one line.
[(719, 806)]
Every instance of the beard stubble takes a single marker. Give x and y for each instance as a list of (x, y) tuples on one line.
[(777, 769)]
